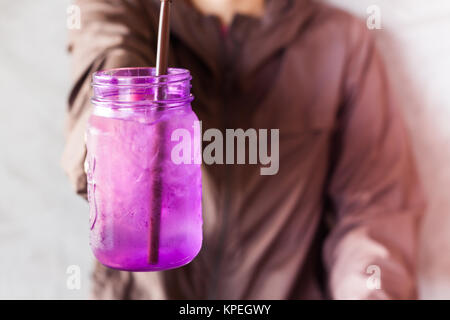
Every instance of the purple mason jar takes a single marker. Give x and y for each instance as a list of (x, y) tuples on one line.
[(145, 206)]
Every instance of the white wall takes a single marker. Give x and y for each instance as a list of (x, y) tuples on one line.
[(43, 225)]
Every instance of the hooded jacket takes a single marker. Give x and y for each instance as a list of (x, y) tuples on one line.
[(340, 218)]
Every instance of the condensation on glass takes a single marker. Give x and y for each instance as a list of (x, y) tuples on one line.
[(145, 209)]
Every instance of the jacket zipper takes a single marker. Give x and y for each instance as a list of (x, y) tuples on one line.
[(226, 198)]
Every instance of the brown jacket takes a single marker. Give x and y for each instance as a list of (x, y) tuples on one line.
[(346, 200)]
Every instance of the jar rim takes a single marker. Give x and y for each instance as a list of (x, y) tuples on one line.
[(138, 76), (140, 87)]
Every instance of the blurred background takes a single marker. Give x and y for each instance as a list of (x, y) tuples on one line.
[(44, 226)]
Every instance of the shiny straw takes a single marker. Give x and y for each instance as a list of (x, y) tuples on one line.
[(162, 58)]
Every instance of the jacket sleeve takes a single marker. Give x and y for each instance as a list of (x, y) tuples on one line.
[(113, 34), (374, 190)]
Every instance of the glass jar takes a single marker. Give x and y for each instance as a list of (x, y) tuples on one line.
[(145, 208)]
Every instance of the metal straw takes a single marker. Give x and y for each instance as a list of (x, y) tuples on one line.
[(162, 54), (162, 57)]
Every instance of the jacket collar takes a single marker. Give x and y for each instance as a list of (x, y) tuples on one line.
[(257, 39)]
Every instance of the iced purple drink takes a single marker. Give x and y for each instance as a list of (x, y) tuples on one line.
[(145, 209)]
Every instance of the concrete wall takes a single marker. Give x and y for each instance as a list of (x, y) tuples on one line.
[(43, 225)]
